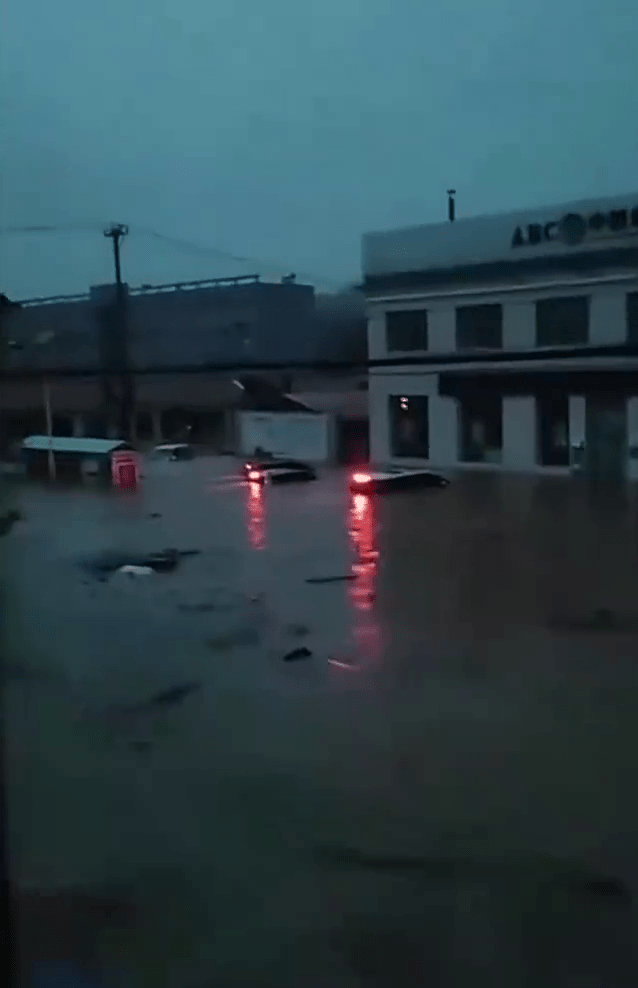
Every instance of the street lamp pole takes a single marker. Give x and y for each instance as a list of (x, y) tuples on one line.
[(41, 340), (46, 390)]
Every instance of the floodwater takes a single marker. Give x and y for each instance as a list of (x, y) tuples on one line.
[(443, 793)]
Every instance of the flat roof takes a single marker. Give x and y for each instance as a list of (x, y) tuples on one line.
[(74, 444), (533, 237)]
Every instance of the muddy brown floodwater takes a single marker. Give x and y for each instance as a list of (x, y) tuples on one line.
[(442, 792)]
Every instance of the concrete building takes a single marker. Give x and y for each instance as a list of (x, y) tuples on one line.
[(513, 340), (227, 321)]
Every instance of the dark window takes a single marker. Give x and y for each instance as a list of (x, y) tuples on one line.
[(552, 416), (408, 425), (562, 321), (479, 326), (632, 317), (407, 329), (481, 428)]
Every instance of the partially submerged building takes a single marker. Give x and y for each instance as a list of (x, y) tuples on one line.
[(510, 342)]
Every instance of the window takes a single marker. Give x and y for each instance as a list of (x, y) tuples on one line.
[(479, 326), (407, 329), (552, 417), (632, 317), (562, 321), (409, 426), (481, 437)]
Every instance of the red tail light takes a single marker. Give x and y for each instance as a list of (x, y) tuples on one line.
[(254, 475), (361, 478)]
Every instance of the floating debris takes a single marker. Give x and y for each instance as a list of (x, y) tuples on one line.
[(331, 579), (174, 695), (8, 520), (602, 620), (164, 561), (296, 654), (540, 870), (154, 514), (137, 570), (343, 665)]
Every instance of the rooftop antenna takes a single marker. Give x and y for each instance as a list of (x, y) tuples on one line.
[(451, 210)]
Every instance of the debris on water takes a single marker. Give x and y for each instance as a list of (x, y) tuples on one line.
[(174, 695), (137, 570), (331, 579), (540, 870), (8, 520), (298, 630), (154, 514), (164, 561), (343, 665), (297, 653), (602, 620)]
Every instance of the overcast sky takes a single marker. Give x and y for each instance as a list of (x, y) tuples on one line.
[(281, 130)]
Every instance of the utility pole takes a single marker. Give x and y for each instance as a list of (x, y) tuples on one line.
[(115, 233), (451, 205)]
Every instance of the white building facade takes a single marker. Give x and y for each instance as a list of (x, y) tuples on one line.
[(507, 342)]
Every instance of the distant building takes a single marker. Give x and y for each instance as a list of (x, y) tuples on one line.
[(514, 340), (239, 321)]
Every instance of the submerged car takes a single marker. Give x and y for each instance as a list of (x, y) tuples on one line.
[(394, 478), (174, 451), (278, 471)]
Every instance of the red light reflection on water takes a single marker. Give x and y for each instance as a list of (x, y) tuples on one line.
[(362, 529), (256, 515)]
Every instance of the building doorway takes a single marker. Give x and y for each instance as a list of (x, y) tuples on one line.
[(606, 438), (481, 428), (552, 430), (353, 444)]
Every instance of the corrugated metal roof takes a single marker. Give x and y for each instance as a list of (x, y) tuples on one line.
[(69, 444)]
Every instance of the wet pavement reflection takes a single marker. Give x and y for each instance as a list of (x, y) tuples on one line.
[(442, 789)]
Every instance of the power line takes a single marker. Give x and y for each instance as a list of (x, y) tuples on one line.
[(86, 227), (180, 244)]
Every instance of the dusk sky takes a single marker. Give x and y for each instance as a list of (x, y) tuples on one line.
[(281, 131)]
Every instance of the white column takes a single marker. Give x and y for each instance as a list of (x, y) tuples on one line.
[(577, 433), (443, 422), (576, 419), (519, 434), (78, 425), (632, 438), (442, 328), (608, 315), (519, 325)]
